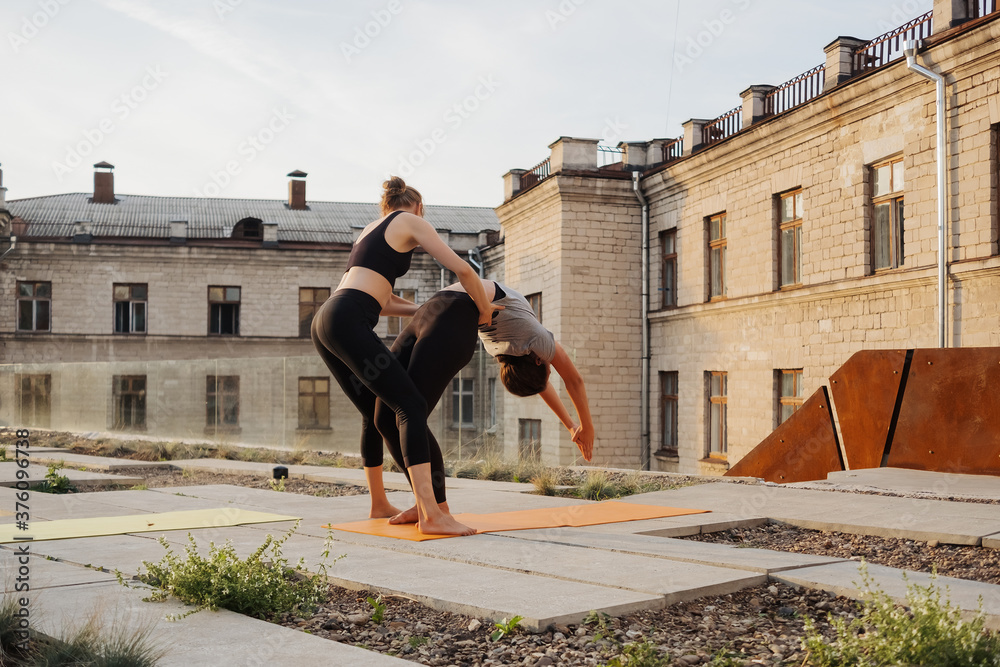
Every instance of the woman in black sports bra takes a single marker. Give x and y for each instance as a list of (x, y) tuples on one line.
[(342, 332)]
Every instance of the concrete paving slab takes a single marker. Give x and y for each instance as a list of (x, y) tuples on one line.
[(914, 518), (80, 478), (204, 639), (42, 573), (706, 553), (905, 481), (845, 579), (110, 552), (93, 462), (992, 541)]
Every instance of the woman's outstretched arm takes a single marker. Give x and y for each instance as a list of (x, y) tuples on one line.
[(584, 435), (397, 306)]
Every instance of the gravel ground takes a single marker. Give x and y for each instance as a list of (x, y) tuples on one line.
[(756, 626), (961, 562)]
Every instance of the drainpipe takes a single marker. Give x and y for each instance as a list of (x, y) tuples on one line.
[(910, 49), (476, 259), (644, 454)]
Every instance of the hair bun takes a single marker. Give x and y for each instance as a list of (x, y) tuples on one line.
[(394, 186)]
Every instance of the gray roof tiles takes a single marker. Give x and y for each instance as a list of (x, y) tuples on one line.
[(143, 216)]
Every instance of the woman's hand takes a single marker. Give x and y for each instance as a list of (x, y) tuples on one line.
[(486, 316), (584, 439)]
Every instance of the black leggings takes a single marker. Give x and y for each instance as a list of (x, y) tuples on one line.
[(366, 370), (437, 343)]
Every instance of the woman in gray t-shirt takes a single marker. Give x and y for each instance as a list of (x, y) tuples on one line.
[(439, 341)]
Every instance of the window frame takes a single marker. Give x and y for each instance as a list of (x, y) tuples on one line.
[(722, 400), (118, 394), (317, 398), (225, 301), (309, 308), (491, 392), (529, 449), (214, 389), (793, 225), (535, 301), (894, 199), (459, 393), (795, 400), (719, 244), (34, 300), (131, 301), (668, 267), (34, 379), (669, 397)]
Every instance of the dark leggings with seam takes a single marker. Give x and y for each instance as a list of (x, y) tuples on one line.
[(366, 369), (437, 343)]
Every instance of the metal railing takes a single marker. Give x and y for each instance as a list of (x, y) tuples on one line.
[(673, 150), (984, 7), (724, 126), (538, 173), (889, 46), (797, 91), (608, 155)]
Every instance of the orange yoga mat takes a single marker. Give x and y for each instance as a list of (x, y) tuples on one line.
[(591, 514)]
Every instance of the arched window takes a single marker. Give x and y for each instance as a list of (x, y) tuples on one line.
[(250, 229)]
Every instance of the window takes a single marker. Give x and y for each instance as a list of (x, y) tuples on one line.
[(34, 306), (129, 402), (717, 256), (224, 311), (668, 413), (222, 401), (491, 384), (535, 301), (668, 268), (250, 229), (789, 393), (130, 308), (717, 437), (34, 393), (397, 324), (887, 221), (529, 439), (314, 402), (310, 299), (462, 401), (790, 238)]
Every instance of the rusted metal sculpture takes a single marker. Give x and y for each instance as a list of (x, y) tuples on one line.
[(934, 409)]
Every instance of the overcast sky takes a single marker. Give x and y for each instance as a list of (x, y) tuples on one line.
[(225, 97)]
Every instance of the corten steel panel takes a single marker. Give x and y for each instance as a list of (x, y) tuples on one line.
[(864, 391), (949, 419), (802, 449)]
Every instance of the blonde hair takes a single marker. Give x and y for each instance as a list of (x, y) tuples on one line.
[(396, 194)]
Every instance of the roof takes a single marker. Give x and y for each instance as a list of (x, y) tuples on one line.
[(143, 216)]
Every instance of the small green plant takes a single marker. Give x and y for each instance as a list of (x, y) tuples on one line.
[(602, 623), (262, 585), (545, 482), (506, 627), (378, 609), (139, 487), (277, 485), (926, 631), (597, 486), (417, 642), (56, 482), (3, 451), (640, 654)]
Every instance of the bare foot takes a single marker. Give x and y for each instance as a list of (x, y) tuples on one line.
[(406, 516), (381, 511), (444, 525)]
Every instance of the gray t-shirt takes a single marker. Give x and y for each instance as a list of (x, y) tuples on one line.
[(516, 331)]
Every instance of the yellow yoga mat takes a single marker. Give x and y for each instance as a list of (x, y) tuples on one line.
[(64, 529), (591, 514)]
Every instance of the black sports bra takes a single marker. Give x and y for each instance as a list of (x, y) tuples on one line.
[(374, 252)]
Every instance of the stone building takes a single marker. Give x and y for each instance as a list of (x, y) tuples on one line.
[(189, 317), (782, 237)]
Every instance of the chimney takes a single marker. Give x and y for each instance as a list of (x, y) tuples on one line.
[(297, 191), (104, 183), (3, 193)]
